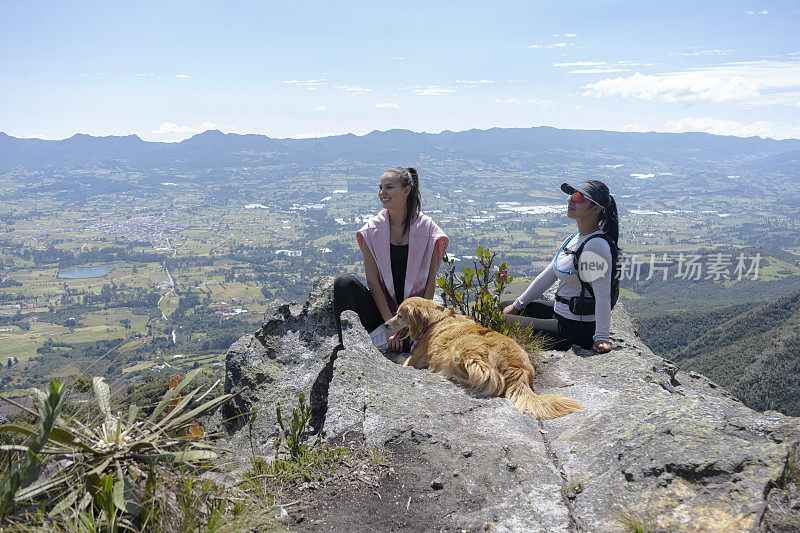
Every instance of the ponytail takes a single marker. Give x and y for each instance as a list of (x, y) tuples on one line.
[(414, 201), (609, 222)]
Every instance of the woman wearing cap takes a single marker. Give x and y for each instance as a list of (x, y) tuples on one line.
[(575, 318), (402, 250)]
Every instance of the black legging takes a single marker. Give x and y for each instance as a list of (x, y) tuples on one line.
[(351, 294), (565, 332)]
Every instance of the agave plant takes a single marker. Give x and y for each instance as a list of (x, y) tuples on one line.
[(106, 462)]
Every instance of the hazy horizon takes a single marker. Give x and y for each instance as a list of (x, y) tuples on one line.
[(362, 134)]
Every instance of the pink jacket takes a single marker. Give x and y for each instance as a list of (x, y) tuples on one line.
[(424, 236)]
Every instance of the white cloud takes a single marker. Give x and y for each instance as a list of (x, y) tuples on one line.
[(508, 101), (676, 87), (321, 108), (706, 52), (432, 90), (755, 82), (634, 127), (554, 45), (788, 98), (598, 70), (41, 136), (751, 12), (182, 76), (721, 127), (580, 64), (565, 35), (355, 89), (309, 84), (474, 83), (170, 128), (387, 105)]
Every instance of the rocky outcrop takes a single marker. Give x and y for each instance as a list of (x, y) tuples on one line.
[(654, 446), (292, 353)]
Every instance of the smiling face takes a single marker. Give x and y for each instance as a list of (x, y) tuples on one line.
[(391, 192)]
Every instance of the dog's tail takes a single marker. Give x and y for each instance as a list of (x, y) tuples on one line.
[(542, 406)]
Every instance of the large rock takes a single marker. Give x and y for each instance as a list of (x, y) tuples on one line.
[(290, 355), (655, 446), (654, 443)]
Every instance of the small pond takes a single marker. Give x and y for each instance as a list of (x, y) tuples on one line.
[(83, 273)]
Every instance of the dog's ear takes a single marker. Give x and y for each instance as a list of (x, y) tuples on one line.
[(418, 318), (439, 312)]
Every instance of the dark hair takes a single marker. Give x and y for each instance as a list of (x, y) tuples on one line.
[(609, 222), (408, 177)]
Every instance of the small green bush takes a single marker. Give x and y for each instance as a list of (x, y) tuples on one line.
[(476, 292)]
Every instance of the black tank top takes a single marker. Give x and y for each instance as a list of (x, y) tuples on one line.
[(399, 255)]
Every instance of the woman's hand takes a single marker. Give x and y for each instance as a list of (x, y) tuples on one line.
[(511, 310), (395, 345), (602, 346)]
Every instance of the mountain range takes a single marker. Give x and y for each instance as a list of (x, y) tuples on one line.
[(524, 147)]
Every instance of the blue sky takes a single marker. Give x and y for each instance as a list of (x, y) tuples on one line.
[(167, 70)]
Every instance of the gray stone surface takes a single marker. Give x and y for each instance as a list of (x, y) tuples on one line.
[(653, 444), (286, 357), (498, 454), (672, 448)]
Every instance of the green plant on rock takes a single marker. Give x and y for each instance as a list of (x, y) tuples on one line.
[(102, 462), (293, 431), (296, 457), (476, 292)]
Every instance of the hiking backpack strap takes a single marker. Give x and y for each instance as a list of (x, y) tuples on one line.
[(576, 261)]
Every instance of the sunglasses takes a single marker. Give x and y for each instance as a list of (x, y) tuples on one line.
[(577, 197)]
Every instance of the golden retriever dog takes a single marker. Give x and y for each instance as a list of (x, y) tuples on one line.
[(482, 360)]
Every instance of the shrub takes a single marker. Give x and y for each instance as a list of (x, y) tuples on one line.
[(477, 292)]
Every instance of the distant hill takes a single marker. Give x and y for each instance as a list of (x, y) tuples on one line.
[(753, 353), (525, 147)]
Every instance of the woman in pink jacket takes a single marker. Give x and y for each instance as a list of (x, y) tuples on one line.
[(402, 252)]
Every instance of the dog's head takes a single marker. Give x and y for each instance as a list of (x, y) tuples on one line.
[(414, 315)]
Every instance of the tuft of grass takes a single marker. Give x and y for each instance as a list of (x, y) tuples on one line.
[(377, 454), (633, 520)]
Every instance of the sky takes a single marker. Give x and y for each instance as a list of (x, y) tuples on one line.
[(167, 70)]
